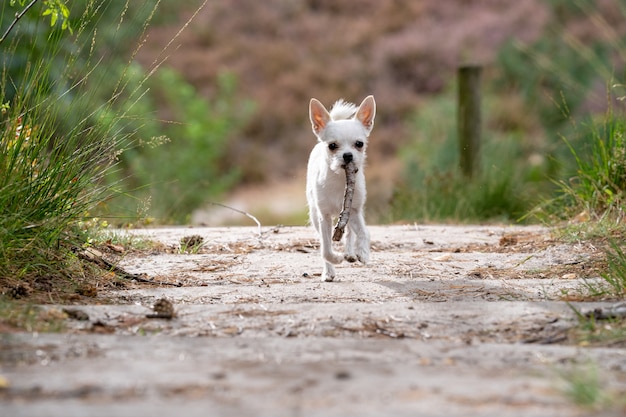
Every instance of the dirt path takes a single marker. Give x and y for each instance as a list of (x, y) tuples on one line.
[(445, 320)]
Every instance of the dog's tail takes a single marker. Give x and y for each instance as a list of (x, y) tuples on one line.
[(342, 110)]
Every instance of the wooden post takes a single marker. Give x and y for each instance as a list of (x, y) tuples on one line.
[(469, 119)]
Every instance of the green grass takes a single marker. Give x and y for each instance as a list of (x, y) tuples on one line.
[(615, 276), (31, 318), (583, 384), (597, 190), (47, 180), (97, 232), (535, 144), (433, 189), (595, 332), (61, 134), (48, 177), (584, 388), (180, 165), (591, 204)]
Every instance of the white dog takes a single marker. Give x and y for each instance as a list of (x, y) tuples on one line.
[(342, 136)]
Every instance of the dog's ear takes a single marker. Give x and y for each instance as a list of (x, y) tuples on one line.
[(367, 112), (319, 116)]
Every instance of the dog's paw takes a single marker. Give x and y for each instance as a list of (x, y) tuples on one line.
[(363, 255), (350, 258), (328, 274)]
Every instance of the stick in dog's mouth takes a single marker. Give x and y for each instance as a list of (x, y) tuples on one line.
[(344, 216), (344, 166)]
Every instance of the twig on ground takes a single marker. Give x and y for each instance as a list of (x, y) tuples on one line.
[(93, 255), (344, 216), (258, 223)]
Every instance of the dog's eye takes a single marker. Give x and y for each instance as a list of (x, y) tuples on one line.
[(358, 144), (333, 146)]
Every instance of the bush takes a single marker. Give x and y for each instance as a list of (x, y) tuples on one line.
[(597, 191), (433, 188), (60, 134), (179, 165)]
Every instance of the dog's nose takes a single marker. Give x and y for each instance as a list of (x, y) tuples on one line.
[(347, 157)]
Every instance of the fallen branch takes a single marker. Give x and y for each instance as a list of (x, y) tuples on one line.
[(344, 216), (93, 255)]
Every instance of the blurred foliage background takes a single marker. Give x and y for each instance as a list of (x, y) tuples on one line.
[(226, 106)]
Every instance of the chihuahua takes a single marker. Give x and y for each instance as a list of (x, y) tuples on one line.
[(342, 137)]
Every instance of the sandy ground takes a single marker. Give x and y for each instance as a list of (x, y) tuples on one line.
[(445, 320)]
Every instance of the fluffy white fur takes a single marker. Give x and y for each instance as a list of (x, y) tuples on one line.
[(342, 136)]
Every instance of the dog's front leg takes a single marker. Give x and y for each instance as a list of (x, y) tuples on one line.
[(328, 274), (329, 256)]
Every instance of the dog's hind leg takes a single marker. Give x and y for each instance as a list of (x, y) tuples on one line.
[(350, 254), (361, 236)]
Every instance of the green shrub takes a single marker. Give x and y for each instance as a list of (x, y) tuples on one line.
[(180, 164), (595, 198), (433, 189), (59, 134), (598, 188), (616, 273)]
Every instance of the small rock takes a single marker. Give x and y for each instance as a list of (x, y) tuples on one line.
[(163, 309), (19, 291), (343, 375)]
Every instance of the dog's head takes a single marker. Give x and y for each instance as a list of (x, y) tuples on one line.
[(344, 130)]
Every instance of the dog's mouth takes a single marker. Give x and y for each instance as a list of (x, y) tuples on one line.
[(343, 166)]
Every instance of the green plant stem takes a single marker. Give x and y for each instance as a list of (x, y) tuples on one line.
[(18, 16)]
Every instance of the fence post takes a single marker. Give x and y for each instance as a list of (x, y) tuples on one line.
[(469, 119)]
